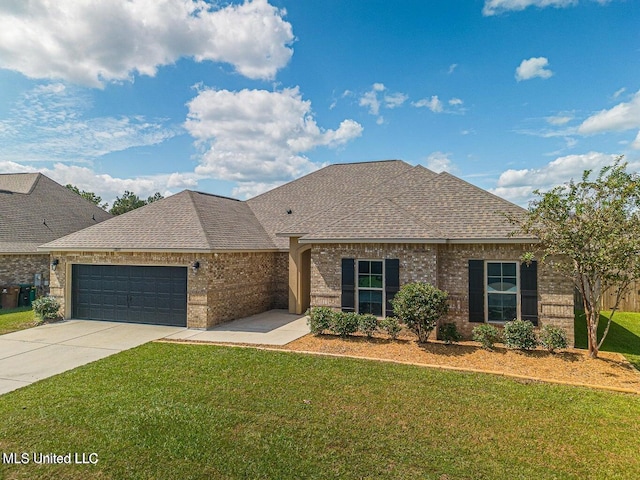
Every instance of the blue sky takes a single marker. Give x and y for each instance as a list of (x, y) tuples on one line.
[(237, 97)]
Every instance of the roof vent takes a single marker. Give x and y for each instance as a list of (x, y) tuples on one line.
[(289, 211)]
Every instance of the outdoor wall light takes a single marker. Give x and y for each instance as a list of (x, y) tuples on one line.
[(195, 266), (54, 264)]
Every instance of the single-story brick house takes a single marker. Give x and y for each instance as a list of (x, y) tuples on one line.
[(346, 236), (34, 210)]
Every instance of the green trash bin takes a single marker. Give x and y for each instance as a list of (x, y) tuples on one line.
[(24, 298)]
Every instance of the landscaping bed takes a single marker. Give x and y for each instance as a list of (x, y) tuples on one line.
[(570, 366)]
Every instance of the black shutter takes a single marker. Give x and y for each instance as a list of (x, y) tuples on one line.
[(391, 282), (348, 302), (529, 292), (476, 291)]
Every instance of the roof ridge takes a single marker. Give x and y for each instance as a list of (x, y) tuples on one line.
[(192, 202), (503, 200), (415, 218)]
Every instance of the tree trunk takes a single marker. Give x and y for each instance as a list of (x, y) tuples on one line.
[(592, 330)]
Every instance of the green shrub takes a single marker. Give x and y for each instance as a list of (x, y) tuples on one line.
[(344, 323), (553, 338), (448, 333), (320, 319), (391, 326), (519, 334), (487, 335), (47, 308), (367, 324), (419, 306)]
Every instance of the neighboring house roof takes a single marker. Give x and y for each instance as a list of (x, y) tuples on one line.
[(34, 209), (187, 221)]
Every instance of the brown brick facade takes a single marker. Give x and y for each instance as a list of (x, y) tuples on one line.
[(445, 266), (225, 287), (17, 269)]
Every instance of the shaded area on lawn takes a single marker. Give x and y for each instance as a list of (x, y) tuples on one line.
[(16, 319), (623, 336), (200, 411)]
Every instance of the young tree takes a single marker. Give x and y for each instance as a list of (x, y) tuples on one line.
[(92, 197), (592, 228), (420, 305)]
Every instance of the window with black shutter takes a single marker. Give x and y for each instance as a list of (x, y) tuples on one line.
[(529, 292), (392, 282), (476, 291), (348, 302)]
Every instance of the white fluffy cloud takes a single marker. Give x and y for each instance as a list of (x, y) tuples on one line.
[(434, 104), (624, 116), (48, 123), (257, 137), (533, 67), (495, 7), (91, 42), (106, 186), (518, 185), (440, 162), (379, 97)]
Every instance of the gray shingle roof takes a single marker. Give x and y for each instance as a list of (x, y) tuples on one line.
[(187, 221), (34, 209)]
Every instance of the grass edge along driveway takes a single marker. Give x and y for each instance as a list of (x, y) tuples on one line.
[(191, 411)]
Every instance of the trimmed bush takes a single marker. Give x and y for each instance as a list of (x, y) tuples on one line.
[(319, 319), (391, 326), (47, 308), (519, 334), (448, 333), (420, 305), (367, 324), (344, 323), (487, 335), (553, 338)]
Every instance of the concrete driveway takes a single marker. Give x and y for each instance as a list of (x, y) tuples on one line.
[(40, 352)]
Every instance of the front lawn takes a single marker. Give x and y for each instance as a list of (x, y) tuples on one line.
[(200, 411), (623, 336), (16, 319)]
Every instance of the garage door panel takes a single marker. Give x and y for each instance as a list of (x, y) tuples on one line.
[(130, 293)]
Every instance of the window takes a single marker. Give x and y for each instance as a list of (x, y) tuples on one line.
[(502, 291), (370, 287)]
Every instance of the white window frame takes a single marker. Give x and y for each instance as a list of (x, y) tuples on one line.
[(358, 288), (486, 291)]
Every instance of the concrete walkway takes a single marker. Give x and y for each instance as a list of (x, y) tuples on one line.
[(40, 352), (275, 327)]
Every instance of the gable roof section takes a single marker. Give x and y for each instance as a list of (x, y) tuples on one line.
[(34, 209), (187, 221), (319, 193), (440, 208)]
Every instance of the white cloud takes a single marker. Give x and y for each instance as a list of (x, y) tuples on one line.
[(619, 92), (518, 185), (434, 104), (559, 120), (452, 68), (496, 7), (454, 102), (105, 185), (375, 99), (257, 136), (623, 116), (533, 67), (636, 143), (440, 162), (92, 42), (48, 123)]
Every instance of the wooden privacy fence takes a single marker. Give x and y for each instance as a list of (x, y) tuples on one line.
[(630, 302)]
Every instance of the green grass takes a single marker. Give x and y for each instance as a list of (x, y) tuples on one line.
[(196, 411), (623, 336), (16, 319)]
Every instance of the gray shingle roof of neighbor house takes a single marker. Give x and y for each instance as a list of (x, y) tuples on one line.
[(34, 209), (187, 221)]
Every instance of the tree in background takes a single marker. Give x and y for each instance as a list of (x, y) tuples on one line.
[(130, 201), (92, 197), (592, 228)]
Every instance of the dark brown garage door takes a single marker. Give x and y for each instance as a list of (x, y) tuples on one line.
[(132, 294)]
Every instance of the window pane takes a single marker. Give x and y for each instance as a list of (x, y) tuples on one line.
[(494, 284), (364, 281), (376, 281), (509, 269), (493, 269), (363, 266), (370, 301), (509, 285), (376, 267)]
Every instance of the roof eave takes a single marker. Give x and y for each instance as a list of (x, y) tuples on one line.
[(422, 240), (44, 248)]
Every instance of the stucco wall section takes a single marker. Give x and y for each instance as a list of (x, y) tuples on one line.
[(225, 287), (417, 263), (17, 269)]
